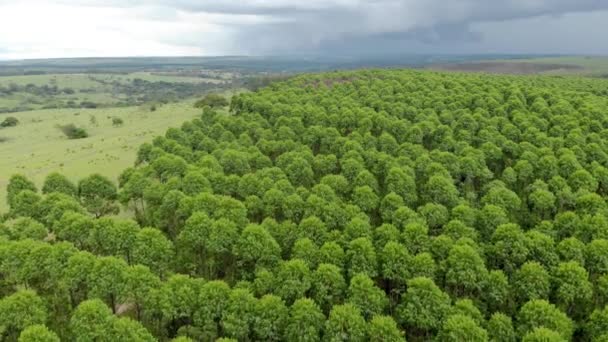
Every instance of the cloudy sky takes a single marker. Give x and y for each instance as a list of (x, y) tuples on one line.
[(78, 28)]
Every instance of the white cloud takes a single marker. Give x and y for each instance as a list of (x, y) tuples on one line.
[(41, 30)]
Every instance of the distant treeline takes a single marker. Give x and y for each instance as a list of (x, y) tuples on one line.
[(43, 90), (274, 64), (257, 82), (136, 92)]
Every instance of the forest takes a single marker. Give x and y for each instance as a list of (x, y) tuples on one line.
[(372, 205)]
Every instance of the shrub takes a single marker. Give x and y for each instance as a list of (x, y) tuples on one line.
[(10, 121), (88, 104), (116, 121), (73, 132)]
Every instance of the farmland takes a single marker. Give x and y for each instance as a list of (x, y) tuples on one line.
[(565, 65), (590, 65)]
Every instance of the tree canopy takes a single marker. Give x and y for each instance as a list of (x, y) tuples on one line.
[(373, 205)]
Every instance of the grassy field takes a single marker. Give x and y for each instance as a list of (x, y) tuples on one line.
[(157, 77), (88, 81), (101, 89), (75, 81), (566, 65), (590, 65), (36, 147)]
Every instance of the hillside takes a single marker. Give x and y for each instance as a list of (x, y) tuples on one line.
[(377, 205)]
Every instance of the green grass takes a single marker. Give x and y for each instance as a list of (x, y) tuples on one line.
[(36, 147), (89, 81), (155, 77), (75, 81), (97, 88)]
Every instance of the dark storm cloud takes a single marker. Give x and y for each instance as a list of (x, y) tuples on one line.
[(386, 24), (475, 9), (294, 26)]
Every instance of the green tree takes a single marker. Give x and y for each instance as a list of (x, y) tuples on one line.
[(543, 334), (345, 323), (395, 260), (126, 329), (20, 310), (384, 329), (423, 265), (305, 321), (510, 248), (572, 289), (293, 280), (26, 228), (151, 248), (402, 184), (238, 317), (366, 198), (465, 271), (361, 257), (139, 284), (363, 294), (598, 324), (98, 194), (256, 247), (271, 316), (441, 190), (213, 299), (56, 182), (332, 253), (212, 100), (25, 204), (107, 280), (327, 286), (305, 249), (531, 281), (461, 328), (38, 333), (540, 313), (91, 321), (422, 307), (571, 249), (16, 184), (596, 257), (415, 237), (500, 328), (496, 290)]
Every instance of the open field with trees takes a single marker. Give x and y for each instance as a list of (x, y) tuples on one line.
[(377, 205), (37, 146), (49, 91), (589, 65), (596, 66)]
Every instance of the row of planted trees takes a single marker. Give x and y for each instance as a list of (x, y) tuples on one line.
[(370, 205)]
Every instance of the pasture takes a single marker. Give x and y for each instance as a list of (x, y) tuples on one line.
[(33, 92), (566, 65), (592, 65)]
